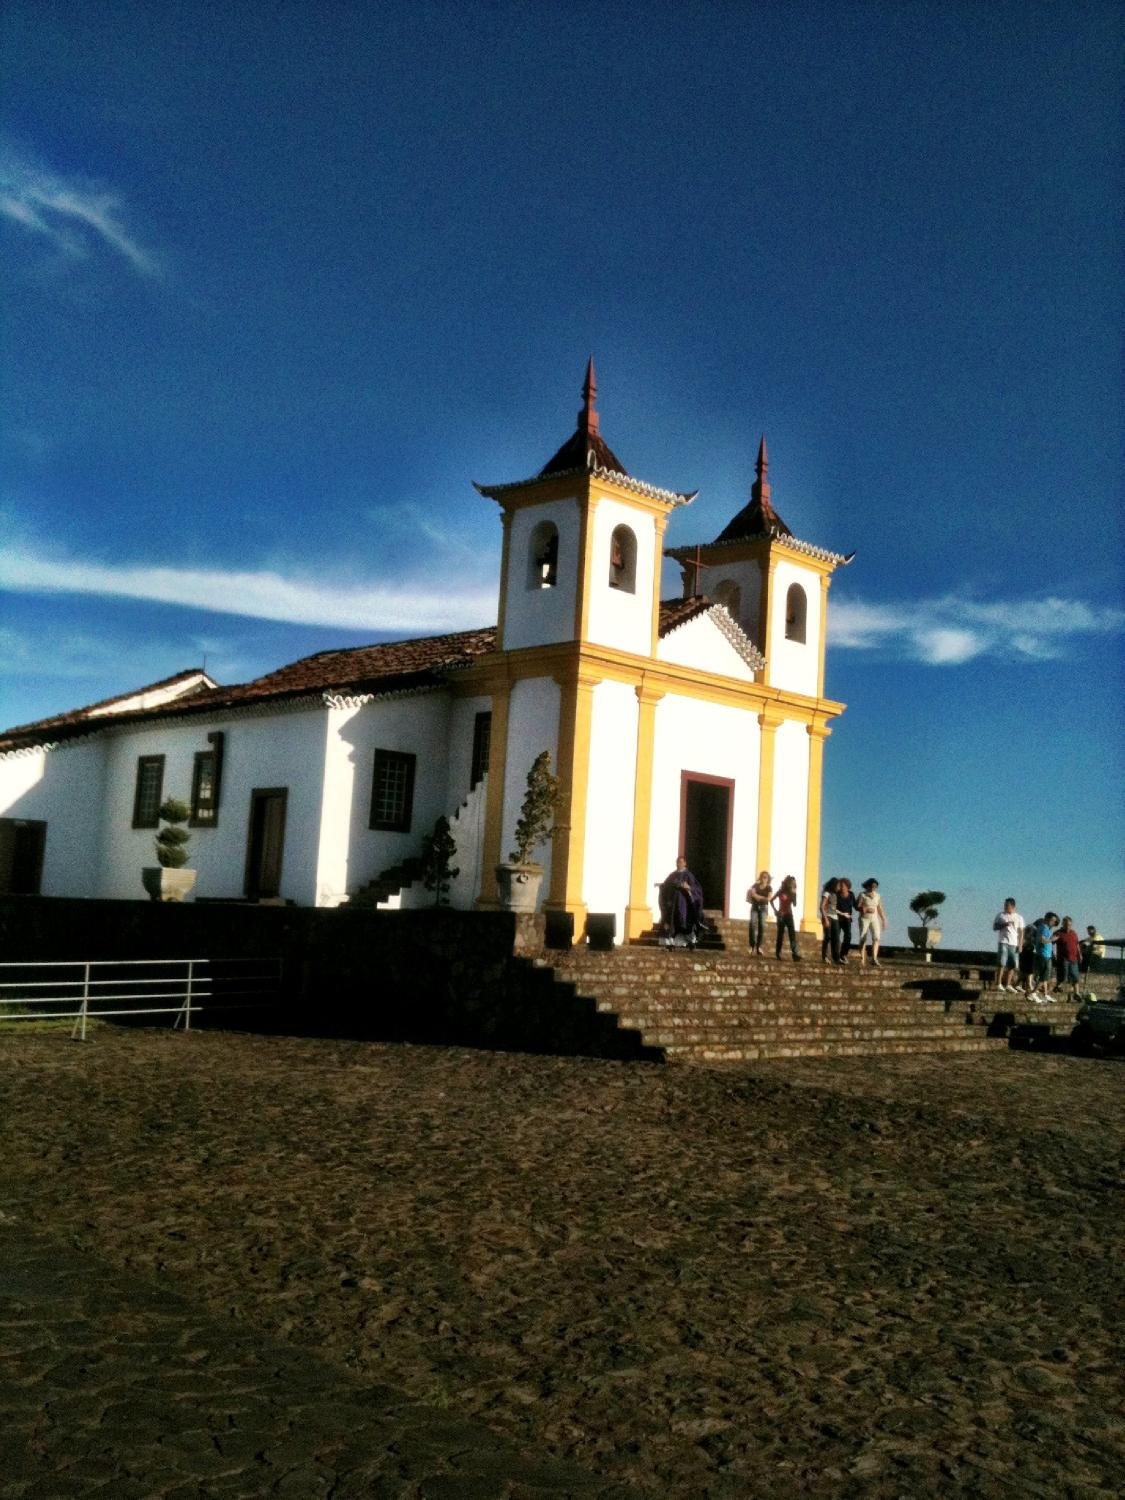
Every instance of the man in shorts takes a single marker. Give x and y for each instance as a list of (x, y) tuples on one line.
[(1008, 926), (1044, 957)]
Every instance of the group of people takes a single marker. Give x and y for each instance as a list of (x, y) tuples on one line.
[(1030, 955), (839, 906)]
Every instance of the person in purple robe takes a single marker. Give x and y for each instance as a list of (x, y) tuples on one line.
[(681, 904)]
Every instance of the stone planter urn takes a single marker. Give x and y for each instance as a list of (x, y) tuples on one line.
[(518, 886), (925, 938), (163, 884)]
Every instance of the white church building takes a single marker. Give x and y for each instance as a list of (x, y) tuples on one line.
[(695, 725)]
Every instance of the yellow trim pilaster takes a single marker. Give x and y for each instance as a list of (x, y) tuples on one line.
[(576, 712), (825, 580), (810, 904), (505, 560), (587, 505), (768, 722), (661, 525), (638, 913), (766, 613), (494, 797)]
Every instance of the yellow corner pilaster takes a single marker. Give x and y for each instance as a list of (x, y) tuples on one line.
[(494, 798), (768, 722), (661, 525), (505, 559), (638, 913), (587, 505), (766, 613), (825, 580), (810, 903), (576, 712)]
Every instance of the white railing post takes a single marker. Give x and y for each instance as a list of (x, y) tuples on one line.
[(190, 977), (81, 1021)]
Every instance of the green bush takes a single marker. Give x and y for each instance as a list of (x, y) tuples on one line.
[(172, 840)]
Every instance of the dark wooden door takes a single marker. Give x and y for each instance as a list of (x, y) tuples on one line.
[(22, 841), (265, 844), (705, 820)]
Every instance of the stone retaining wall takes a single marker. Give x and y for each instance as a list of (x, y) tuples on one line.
[(419, 976)]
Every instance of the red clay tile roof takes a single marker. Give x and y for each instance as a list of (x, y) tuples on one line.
[(677, 612), (100, 712), (583, 450), (388, 666)]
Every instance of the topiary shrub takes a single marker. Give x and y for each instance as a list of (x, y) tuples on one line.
[(172, 840), (925, 905)]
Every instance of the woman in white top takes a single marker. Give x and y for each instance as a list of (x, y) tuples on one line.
[(872, 919)]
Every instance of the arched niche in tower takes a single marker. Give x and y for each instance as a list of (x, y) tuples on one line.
[(543, 556), (729, 594), (623, 560), (796, 613)]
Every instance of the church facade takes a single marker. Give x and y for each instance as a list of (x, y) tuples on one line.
[(692, 725)]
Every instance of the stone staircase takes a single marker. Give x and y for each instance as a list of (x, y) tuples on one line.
[(725, 1006)]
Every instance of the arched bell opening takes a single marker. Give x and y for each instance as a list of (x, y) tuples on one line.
[(623, 560), (543, 556)]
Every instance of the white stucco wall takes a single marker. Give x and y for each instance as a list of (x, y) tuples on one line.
[(793, 665), (538, 616), (415, 724), (533, 726), (714, 740), (282, 749), (617, 618), (701, 644), (462, 718), (63, 788), (790, 808), (609, 805)]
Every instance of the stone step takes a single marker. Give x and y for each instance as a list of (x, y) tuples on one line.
[(791, 1016), (873, 1048)]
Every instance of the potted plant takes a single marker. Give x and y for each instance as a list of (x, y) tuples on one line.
[(519, 878), (925, 905), (169, 880)]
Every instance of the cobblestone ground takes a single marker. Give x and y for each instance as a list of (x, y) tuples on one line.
[(244, 1266), (120, 1387)]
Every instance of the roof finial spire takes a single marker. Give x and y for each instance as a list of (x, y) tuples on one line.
[(760, 489), (588, 416)]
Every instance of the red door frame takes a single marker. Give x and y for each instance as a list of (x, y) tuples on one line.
[(685, 777)]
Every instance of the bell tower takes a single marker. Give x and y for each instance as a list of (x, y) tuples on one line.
[(582, 546), (773, 584)]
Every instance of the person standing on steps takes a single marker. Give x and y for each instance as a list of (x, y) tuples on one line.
[(872, 920), (783, 904), (1093, 951), (1044, 957), (1068, 954), (1008, 926), (759, 896), (830, 921), (845, 910), (681, 906)]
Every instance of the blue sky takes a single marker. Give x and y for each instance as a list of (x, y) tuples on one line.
[(284, 278)]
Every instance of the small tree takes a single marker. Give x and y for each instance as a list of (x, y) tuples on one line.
[(925, 905), (172, 840), (537, 815), (437, 852)]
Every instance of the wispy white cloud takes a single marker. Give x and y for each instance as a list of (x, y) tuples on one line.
[(948, 631), (71, 214), (405, 605)]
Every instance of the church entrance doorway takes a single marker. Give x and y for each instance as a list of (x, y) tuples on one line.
[(705, 833), (265, 842)]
